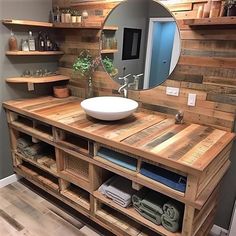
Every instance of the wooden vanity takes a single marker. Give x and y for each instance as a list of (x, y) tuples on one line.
[(74, 174)]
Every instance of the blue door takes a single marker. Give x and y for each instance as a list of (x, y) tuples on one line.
[(163, 39)]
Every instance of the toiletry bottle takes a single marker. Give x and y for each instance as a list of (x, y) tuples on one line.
[(31, 42), (25, 45), (48, 44), (41, 42), (12, 42), (58, 15)]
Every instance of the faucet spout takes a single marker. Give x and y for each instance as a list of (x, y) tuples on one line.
[(124, 88)]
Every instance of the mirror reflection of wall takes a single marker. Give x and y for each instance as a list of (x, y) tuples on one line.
[(159, 42)]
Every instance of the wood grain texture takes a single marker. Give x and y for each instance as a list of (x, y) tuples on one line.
[(192, 145)]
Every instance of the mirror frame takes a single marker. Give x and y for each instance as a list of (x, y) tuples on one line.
[(100, 44)]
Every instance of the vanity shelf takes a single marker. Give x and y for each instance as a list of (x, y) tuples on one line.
[(37, 80), (132, 213), (27, 23), (217, 21), (86, 25), (110, 28), (34, 53), (109, 51)]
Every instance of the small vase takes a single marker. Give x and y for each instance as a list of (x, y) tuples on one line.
[(89, 87)]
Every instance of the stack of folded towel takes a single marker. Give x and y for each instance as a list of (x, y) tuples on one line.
[(29, 149), (158, 209), (166, 177), (149, 204), (119, 190), (173, 215)]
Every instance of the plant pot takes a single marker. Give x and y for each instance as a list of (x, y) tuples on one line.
[(231, 11), (61, 92)]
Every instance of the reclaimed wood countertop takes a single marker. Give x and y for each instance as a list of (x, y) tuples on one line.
[(186, 147)]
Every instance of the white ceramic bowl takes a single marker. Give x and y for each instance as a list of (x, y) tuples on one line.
[(109, 108)]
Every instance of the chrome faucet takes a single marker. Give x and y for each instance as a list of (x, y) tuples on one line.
[(136, 81), (124, 87)]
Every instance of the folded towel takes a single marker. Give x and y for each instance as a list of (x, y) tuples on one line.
[(166, 177), (154, 202), (120, 190), (154, 217), (22, 143), (104, 186), (172, 226), (118, 158), (139, 196), (35, 150)]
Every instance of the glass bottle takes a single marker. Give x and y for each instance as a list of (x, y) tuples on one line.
[(41, 42), (12, 42), (31, 41)]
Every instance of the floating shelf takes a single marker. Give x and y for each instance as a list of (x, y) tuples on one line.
[(33, 53), (107, 51), (39, 80), (77, 26), (111, 28), (27, 23), (211, 21)]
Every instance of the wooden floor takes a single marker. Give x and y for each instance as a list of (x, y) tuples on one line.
[(34, 213)]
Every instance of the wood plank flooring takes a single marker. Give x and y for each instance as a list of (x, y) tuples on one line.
[(27, 210)]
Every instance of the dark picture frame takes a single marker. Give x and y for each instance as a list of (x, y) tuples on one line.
[(131, 43)]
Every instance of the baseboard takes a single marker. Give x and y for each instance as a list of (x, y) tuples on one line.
[(218, 231), (8, 180)]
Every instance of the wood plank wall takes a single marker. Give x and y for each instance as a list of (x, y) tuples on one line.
[(207, 66)]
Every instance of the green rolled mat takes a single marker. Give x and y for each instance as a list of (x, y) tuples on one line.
[(139, 196), (154, 217), (170, 225)]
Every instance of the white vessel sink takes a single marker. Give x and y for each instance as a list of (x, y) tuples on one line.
[(109, 108)]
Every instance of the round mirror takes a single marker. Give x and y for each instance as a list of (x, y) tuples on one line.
[(140, 41)]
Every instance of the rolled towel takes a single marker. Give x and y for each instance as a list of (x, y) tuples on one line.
[(139, 196), (154, 202), (121, 191), (104, 186), (172, 226), (173, 210), (23, 143), (154, 217)]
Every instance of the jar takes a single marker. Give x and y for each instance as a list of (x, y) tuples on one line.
[(200, 12), (67, 18), (215, 8), (207, 8), (78, 19), (73, 19)]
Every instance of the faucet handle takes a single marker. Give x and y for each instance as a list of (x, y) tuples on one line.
[(125, 77), (137, 76)]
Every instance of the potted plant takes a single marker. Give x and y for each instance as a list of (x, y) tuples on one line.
[(230, 7), (85, 65), (109, 67)]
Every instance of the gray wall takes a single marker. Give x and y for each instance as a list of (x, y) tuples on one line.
[(9, 67)]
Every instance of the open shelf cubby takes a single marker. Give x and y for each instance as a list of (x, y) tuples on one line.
[(77, 195), (32, 127), (38, 175)]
